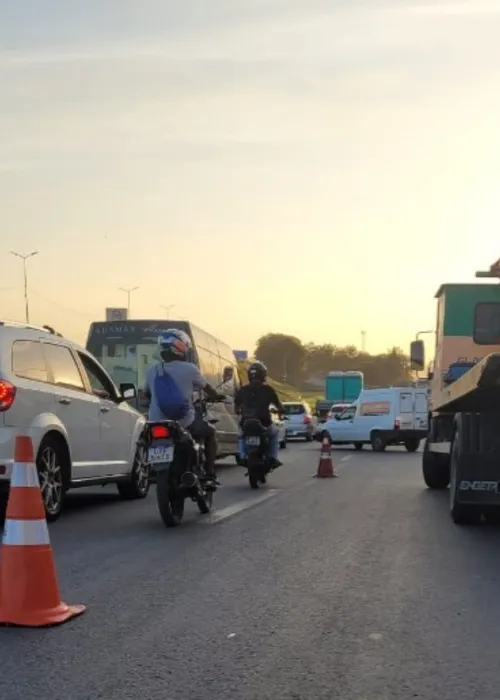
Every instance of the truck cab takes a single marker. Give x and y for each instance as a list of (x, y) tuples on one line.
[(467, 330), (462, 449)]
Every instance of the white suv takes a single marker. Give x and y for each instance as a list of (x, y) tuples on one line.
[(84, 432)]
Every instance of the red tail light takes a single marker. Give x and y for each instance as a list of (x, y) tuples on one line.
[(7, 395), (159, 432), (307, 419), (397, 425)]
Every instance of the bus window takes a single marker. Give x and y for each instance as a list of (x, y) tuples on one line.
[(127, 349)]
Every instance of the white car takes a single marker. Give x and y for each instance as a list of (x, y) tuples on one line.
[(380, 418), (83, 430)]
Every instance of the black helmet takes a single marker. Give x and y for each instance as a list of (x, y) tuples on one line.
[(257, 372)]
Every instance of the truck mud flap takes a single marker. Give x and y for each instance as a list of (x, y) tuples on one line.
[(475, 459)]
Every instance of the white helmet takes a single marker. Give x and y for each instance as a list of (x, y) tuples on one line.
[(175, 342)]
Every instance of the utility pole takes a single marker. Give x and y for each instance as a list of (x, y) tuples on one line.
[(167, 308), (363, 341), (24, 258), (128, 292)]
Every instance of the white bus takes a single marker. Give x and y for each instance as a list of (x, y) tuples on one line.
[(126, 349)]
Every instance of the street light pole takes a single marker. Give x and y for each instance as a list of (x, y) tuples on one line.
[(25, 272), (128, 291), (167, 308), (423, 333)]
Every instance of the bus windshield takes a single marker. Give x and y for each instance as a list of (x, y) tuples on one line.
[(126, 349)]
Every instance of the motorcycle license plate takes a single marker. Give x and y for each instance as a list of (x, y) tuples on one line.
[(161, 454), (252, 441)]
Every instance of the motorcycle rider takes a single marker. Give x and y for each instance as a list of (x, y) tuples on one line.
[(185, 378), (253, 401)]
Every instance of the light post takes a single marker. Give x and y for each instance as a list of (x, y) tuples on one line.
[(167, 308), (423, 333), (24, 258), (363, 341), (128, 291)]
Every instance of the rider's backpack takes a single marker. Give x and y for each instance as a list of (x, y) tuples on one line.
[(170, 399)]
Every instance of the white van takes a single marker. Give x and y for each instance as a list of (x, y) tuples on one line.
[(382, 417)]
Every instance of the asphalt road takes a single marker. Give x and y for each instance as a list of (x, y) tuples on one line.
[(357, 588)]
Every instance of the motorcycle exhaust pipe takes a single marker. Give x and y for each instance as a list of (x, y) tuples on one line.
[(189, 480)]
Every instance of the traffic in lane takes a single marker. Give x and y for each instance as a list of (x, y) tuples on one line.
[(356, 587)]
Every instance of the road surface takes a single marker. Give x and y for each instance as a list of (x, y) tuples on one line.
[(357, 588)]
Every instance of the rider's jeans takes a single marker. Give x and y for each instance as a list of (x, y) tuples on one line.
[(275, 442)]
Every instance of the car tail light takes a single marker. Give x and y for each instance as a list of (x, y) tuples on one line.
[(7, 395), (307, 419), (159, 431), (397, 424)]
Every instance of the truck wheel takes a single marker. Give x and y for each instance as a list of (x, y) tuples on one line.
[(412, 445), (461, 513), (378, 443), (491, 515), (435, 468)]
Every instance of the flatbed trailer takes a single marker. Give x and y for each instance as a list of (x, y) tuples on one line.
[(462, 449)]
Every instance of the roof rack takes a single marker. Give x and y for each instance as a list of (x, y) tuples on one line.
[(21, 324)]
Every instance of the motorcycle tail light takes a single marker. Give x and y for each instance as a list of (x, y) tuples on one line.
[(159, 432)]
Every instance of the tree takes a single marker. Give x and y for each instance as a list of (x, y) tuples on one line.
[(284, 356)]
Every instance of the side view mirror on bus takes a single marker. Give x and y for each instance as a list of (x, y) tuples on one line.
[(127, 391), (417, 354), (228, 374)]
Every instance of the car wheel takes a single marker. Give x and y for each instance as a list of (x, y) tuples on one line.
[(283, 444), (137, 485), (378, 443), (53, 466)]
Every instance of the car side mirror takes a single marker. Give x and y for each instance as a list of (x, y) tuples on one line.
[(417, 354), (127, 391)]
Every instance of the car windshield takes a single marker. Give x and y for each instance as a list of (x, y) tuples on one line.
[(294, 409)]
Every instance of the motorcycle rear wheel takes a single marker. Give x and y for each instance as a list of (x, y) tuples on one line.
[(253, 472), (170, 504)]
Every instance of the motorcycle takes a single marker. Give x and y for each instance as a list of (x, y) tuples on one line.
[(258, 451), (177, 461)]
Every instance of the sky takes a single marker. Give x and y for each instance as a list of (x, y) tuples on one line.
[(310, 167)]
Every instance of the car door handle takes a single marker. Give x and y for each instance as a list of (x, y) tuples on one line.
[(64, 401), (104, 409)]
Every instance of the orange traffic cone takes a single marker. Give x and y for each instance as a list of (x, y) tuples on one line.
[(29, 592), (325, 464)]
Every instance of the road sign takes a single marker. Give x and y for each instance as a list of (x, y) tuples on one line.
[(113, 314)]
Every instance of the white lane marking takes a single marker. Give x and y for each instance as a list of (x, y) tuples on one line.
[(230, 636), (345, 459), (375, 635), (217, 515)]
